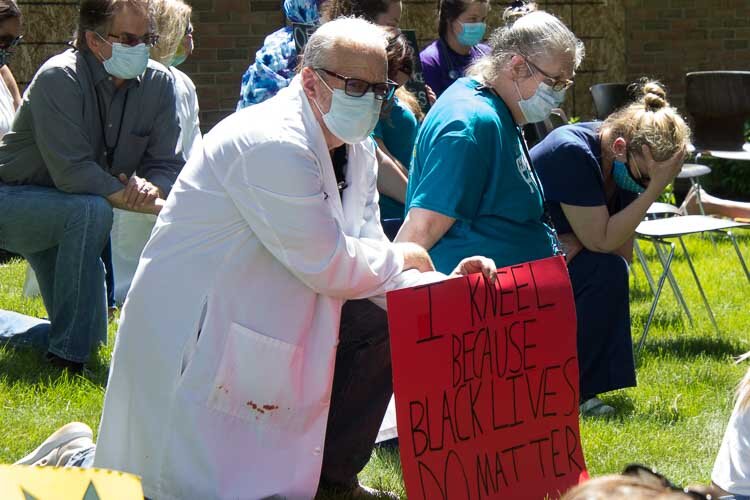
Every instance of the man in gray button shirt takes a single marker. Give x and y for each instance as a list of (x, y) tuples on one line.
[(97, 129)]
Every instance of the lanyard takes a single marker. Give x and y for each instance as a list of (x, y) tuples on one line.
[(109, 151), (546, 218)]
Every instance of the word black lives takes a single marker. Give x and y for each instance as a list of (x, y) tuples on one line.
[(480, 407)]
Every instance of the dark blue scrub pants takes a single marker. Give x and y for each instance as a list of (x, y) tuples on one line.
[(605, 348)]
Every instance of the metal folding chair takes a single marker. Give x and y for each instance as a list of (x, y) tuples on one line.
[(660, 232)]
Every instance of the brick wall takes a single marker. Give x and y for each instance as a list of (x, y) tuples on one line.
[(624, 39), (668, 38), (227, 34)]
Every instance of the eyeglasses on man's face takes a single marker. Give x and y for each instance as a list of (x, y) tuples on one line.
[(558, 84), (356, 87), (131, 40)]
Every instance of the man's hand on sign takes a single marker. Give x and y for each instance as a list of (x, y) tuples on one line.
[(139, 193), (431, 95), (477, 264), (415, 257)]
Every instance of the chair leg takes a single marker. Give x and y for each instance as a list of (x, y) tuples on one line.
[(675, 287), (659, 287), (739, 254), (700, 287), (642, 259)]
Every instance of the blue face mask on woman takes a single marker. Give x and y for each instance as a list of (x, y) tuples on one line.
[(625, 179), (539, 106), (471, 33)]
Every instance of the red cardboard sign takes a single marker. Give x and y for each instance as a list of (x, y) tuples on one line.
[(486, 385)]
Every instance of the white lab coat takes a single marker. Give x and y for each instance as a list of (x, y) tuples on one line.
[(221, 377)]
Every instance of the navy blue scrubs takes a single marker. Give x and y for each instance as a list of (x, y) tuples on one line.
[(569, 164)]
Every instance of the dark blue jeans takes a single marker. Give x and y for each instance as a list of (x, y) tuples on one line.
[(362, 388), (62, 236)]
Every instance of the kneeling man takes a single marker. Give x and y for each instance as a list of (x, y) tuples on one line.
[(246, 365)]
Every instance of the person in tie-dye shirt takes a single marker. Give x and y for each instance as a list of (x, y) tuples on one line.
[(275, 61)]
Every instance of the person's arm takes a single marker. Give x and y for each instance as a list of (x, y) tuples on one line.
[(431, 71), (392, 176), (415, 256), (626, 250), (56, 104), (448, 187), (288, 211), (599, 232), (163, 159), (10, 82), (424, 227)]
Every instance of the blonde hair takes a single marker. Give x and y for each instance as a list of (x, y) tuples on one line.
[(172, 18), (517, 9), (650, 121), (625, 487), (535, 34)]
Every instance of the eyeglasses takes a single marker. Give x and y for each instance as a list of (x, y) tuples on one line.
[(149, 39), (356, 87), (9, 43), (650, 475), (556, 83)]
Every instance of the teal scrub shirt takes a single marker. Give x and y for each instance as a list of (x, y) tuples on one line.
[(398, 131), (470, 165)]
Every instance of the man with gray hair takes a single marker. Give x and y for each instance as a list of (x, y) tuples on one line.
[(247, 364), (97, 129)]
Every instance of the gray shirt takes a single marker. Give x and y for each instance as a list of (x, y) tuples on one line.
[(76, 131)]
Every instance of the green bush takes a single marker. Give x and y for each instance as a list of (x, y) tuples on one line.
[(728, 178)]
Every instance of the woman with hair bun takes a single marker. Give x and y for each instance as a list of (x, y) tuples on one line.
[(599, 179)]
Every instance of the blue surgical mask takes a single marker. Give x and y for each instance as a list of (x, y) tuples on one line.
[(351, 119), (539, 106), (624, 178), (127, 62), (471, 33)]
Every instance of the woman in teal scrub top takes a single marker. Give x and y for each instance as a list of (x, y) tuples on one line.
[(472, 189)]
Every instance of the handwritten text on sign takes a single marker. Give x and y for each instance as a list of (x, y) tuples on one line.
[(486, 384)]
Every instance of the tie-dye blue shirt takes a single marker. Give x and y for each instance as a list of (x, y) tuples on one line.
[(275, 61)]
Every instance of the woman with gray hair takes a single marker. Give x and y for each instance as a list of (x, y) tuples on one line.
[(472, 189)]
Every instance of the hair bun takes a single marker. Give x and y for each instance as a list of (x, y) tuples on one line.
[(654, 96), (518, 9)]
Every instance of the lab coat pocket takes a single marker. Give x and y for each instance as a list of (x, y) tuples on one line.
[(259, 378)]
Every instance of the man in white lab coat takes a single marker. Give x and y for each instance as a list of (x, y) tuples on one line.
[(223, 371)]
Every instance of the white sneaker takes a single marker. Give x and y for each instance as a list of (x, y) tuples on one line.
[(365, 492), (595, 407), (60, 445)]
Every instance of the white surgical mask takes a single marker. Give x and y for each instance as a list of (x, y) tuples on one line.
[(351, 119), (126, 62), (539, 106)]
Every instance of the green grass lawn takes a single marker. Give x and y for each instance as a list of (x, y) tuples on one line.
[(673, 420)]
